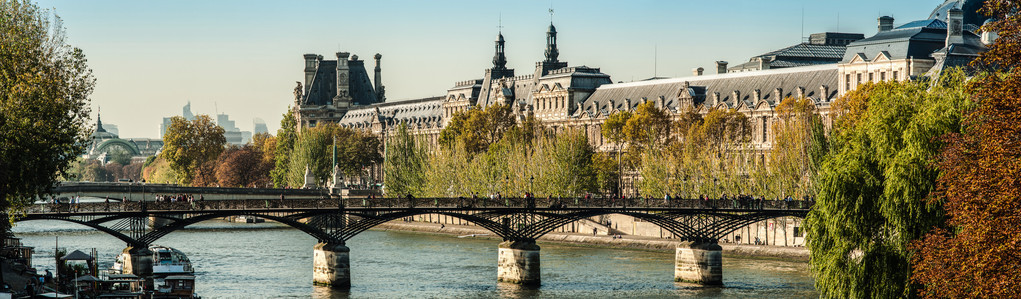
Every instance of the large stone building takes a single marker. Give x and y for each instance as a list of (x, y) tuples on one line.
[(563, 96)]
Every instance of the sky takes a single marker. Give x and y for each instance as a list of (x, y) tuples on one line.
[(242, 57)]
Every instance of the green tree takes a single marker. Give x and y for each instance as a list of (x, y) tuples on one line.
[(404, 163), (873, 185), (284, 143), (188, 145), (476, 129), (314, 149), (799, 144), (44, 97)]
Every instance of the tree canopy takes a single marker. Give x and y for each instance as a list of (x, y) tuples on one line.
[(44, 102), (976, 254), (188, 145), (873, 185)]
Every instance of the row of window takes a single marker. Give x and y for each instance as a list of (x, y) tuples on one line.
[(881, 75)]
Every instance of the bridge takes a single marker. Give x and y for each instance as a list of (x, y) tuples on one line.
[(333, 221)]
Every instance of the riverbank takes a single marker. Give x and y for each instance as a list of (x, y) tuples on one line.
[(626, 241)]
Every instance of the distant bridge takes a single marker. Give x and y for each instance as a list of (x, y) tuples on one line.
[(519, 221)]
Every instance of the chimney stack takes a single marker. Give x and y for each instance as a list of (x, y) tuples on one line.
[(311, 65), (764, 63), (721, 67), (885, 23), (380, 94), (698, 71), (955, 26)]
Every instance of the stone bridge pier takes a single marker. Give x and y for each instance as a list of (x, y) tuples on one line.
[(519, 263), (700, 263), (331, 265)]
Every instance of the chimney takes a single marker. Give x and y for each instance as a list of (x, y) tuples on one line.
[(800, 91), (778, 95), (736, 95), (764, 63), (885, 23), (756, 95), (721, 67), (824, 93), (379, 80), (715, 101), (955, 26), (343, 83), (698, 71), (311, 65)]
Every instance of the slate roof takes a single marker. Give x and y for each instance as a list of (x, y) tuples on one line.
[(412, 111), (701, 88), (324, 84), (918, 39), (803, 54)]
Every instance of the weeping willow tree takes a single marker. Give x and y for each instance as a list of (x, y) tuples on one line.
[(404, 163), (874, 184)]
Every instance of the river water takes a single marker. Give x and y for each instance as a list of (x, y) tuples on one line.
[(270, 260)]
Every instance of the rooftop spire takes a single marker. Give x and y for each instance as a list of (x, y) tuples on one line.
[(500, 59), (99, 122), (551, 41)]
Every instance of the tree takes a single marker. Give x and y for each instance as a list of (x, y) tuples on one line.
[(873, 185), (476, 129), (188, 145), (799, 144), (976, 254), (286, 136), (314, 149), (44, 97), (242, 167), (404, 164)]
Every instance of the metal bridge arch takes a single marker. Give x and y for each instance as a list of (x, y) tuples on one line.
[(93, 224)]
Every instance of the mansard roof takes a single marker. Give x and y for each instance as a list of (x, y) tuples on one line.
[(417, 110), (323, 87), (802, 54), (917, 39), (671, 92)]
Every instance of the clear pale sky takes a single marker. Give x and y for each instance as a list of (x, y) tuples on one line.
[(242, 57)]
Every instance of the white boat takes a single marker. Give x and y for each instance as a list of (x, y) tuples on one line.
[(172, 273)]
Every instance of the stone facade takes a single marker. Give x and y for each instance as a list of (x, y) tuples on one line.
[(581, 97)]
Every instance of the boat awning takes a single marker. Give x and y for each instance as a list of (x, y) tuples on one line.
[(76, 255), (180, 277)]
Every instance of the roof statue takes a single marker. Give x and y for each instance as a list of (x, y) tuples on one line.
[(297, 92)]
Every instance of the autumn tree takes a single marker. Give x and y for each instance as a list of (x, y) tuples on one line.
[(976, 255), (872, 187), (799, 144), (189, 145), (44, 98), (476, 129), (242, 166)]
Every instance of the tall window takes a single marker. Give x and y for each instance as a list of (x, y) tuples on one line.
[(847, 82), (882, 76), (859, 80), (871, 79), (895, 77)]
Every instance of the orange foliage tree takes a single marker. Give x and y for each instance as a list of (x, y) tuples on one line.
[(977, 253)]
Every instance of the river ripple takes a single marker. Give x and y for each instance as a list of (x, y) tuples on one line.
[(269, 260)]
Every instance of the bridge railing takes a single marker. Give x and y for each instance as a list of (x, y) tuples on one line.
[(457, 202)]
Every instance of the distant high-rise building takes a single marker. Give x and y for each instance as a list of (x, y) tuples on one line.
[(186, 112), (230, 131), (259, 126), (112, 128)]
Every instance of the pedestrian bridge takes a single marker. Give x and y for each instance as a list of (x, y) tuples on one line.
[(334, 221)]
